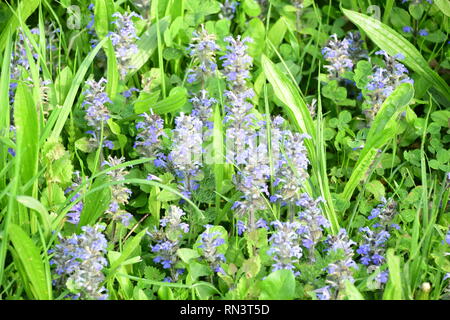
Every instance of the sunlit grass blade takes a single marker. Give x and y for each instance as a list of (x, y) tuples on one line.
[(393, 290), (27, 153), (63, 113), (25, 9), (4, 102)]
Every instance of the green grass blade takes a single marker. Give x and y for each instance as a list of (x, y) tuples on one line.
[(64, 112), (130, 246), (393, 289), (31, 261), (25, 9), (393, 43), (4, 101)]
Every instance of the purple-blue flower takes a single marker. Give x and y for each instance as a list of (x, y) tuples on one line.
[(79, 261), (124, 41), (119, 192), (285, 246), (203, 51), (210, 241)]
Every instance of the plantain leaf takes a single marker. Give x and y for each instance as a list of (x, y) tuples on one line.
[(288, 93), (176, 99), (383, 129), (444, 6), (393, 43), (31, 262), (103, 11), (27, 128), (147, 44)]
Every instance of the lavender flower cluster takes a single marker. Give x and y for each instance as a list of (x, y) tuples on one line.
[(79, 261), (74, 213), (202, 108), (168, 240), (186, 154), (119, 193), (19, 60), (372, 248), (343, 54), (285, 245), (341, 271), (210, 241), (203, 51), (246, 146), (124, 40), (97, 112), (148, 138), (383, 82), (291, 162)]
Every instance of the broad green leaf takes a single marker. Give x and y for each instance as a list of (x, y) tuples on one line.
[(113, 73), (352, 292), (145, 101), (31, 261), (276, 33), (289, 95), (34, 204), (147, 44), (251, 8), (393, 290), (176, 99), (27, 131), (25, 9), (382, 130), (4, 101), (393, 43), (130, 246), (103, 11), (95, 203), (279, 285), (444, 6), (187, 254)]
